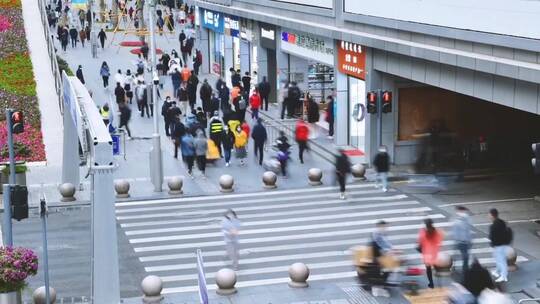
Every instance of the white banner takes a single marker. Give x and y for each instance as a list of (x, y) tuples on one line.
[(307, 46), (506, 17)]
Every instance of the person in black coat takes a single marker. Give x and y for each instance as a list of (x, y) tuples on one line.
[(73, 34), (206, 96), (381, 162), (312, 110), (477, 278), (259, 136), (264, 91), (119, 93), (192, 84), (500, 236), (330, 116), (64, 38), (125, 116), (79, 74), (178, 130), (343, 167), (102, 37)]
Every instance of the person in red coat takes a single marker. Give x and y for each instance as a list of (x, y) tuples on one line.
[(255, 103), (245, 127), (302, 135)]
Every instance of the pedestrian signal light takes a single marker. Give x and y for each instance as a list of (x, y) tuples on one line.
[(17, 122), (387, 102), (19, 202), (536, 160), (372, 102)]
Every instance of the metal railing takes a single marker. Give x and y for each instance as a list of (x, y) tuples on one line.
[(529, 300), (52, 54)]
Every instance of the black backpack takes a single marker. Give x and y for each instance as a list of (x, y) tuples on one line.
[(509, 235)]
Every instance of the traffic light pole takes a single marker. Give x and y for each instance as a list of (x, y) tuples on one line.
[(9, 112), (8, 234), (379, 118)]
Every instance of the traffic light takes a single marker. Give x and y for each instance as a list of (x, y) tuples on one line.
[(387, 102), (17, 122), (19, 202), (372, 102), (536, 160)]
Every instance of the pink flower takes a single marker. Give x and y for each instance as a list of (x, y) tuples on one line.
[(4, 23)]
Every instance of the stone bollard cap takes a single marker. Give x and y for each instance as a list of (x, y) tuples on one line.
[(152, 286)]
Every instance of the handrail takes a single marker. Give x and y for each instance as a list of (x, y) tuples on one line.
[(52, 54), (529, 300)]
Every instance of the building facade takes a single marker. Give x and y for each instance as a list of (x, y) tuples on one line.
[(467, 70)]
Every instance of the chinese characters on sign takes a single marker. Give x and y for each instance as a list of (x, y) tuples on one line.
[(212, 20), (352, 59), (308, 42), (232, 26)]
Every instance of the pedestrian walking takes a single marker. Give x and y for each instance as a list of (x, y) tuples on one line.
[(202, 119), (429, 244), (259, 136), (302, 136), (201, 148), (501, 237), (182, 38), (63, 37), (87, 30), (343, 167), (197, 62), (283, 146), (246, 84), (185, 73), (105, 114), (105, 73), (79, 74), (227, 142), (167, 104), (141, 95), (176, 81), (462, 235), (236, 79), (330, 116), (216, 131), (178, 130), (294, 95), (82, 17), (206, 97), (240, 143), (144, 101), (255, 104), (119, 78), (264, 91), (230, 227), (192, 84), (381, 162), (183, 98), (119, 93), (73, 34), (477, 279), (188, 151), (125, 116), (102, 37), (129, 83), (313, 115), (82, 36), (144, 51)]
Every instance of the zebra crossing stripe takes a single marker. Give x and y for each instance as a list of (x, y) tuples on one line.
[(286, 229), (282, 221), (209, 221), (240, 195), (284, 237), (248, 251)]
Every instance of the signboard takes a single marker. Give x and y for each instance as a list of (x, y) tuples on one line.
[(510, 17), (212, 20), (201, 279), (232, 25), (116, 144), (245, 30), (317, 3), (268, 36), (79, 4), (351, 59), (311, 47)]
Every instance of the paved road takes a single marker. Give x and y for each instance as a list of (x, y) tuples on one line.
[(278, 228)]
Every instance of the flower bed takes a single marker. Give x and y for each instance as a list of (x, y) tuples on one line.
[(16, 264), (17, 85)]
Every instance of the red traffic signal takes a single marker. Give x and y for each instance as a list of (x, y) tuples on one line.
[(387, 102), (372, 102), (17, 122)]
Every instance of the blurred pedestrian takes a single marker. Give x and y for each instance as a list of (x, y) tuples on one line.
[(105, 114), (79, 74), (500, 236), (240, 143), (82, 36), (102, 37), (129, 84), (119, 78), (230, 227), (167, 104), (259, 136), (228, 143), (477, 279), (205, 94), (197, 62), (183, 98), (302, 136), (201, 118), (105, 73), (192, 84), (381, 162), (255, 104), (264, 91), (176, 81), (343, 167), (216, 131), (188, 151), (201, 148), (178, 130), (246, 84), (125, 116), (74, 35), (283, 146), (429, 241), (462, 234), (330, 116), (119, 93)]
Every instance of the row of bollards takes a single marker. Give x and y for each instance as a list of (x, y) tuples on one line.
[(226, 183)]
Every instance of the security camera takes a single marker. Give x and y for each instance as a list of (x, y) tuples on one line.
[(155, 78)]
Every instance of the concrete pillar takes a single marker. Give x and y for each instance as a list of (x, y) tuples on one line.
[(228, 59), (204, 46), (373, 82)]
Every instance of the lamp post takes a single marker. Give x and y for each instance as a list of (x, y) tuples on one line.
[(156, 162)]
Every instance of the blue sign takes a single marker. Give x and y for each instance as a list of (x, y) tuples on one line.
[(116, 144), (232, 26), (201, 278), (213, 20)]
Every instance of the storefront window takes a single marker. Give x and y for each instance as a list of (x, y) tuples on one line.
[(218, 49), (357, 113)]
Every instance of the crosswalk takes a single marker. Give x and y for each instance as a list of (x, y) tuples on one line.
[(278, 228)]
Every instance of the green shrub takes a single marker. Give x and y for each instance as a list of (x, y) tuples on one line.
[(64, 66)]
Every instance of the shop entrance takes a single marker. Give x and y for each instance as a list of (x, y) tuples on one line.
[(454, 131)]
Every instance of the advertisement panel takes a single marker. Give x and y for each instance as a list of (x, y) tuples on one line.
[(307, 46), (509, 17), (268, 36), (351, 59), (212, 20), (317, 3), (232, 25)]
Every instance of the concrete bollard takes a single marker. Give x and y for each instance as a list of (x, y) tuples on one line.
[(269, 180), (175, 184), (67, 191), (315, 176), (511, 259), (39, 296), (358, 172), (152, 287), (298, 273), (225, 280), (122, 188), (226, 182), (443, 265)]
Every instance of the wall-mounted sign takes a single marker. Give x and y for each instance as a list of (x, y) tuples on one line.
[(351, 59), (246, 32), (212, 20), (268, 36), (232, 25), (311, 47)]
